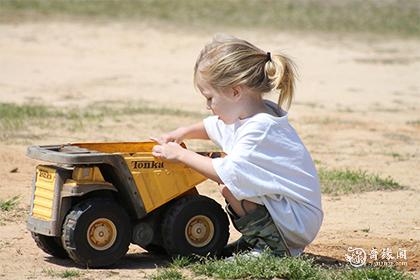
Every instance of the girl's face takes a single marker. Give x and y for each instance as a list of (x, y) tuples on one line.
[(222, 104)]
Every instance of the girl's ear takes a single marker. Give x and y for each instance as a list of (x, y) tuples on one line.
[(237, 92)]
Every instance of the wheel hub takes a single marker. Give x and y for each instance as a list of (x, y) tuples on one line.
[(199, 231), (101, 234)]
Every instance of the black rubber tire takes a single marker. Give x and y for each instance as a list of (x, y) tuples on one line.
[(51, 245), (176, 221), (76, 225), (155, 249)]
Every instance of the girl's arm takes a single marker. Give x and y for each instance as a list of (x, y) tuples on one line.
[(174, 152), (170, 149), (201, 164), (195, 131)]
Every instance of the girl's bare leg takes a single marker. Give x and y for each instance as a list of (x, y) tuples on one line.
[(236, 204)]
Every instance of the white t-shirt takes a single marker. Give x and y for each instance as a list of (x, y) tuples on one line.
[(268, 164)]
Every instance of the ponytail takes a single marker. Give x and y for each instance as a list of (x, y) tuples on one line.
[(281, 72)]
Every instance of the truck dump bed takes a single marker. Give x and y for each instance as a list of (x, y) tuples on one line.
[(146, 181)]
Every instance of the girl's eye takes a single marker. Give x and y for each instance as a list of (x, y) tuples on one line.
[(209, 98)]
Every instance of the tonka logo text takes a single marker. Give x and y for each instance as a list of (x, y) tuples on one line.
[(147, 164), (45, 175)]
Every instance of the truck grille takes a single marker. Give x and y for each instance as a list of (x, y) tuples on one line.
[(44, 193)]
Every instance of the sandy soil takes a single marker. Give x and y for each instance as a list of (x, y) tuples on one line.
[(357, 107)]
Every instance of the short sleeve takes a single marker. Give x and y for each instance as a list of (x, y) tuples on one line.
[(237, 170), (214, 129)]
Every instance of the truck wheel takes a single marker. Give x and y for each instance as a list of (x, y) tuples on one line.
[(195, 225), (155, 249), (96, 232), (50, 245)]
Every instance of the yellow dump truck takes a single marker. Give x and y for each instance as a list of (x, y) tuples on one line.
[(94, 199)]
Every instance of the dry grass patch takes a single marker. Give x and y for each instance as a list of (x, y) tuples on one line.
[(21, 121), (398, 18)]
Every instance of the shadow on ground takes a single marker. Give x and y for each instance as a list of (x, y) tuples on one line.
[(130, 261)]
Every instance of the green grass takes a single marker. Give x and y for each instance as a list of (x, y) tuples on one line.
[(168, 274), (147, 110), (374, 274), (18, 117), (337, 182), (173, 270), (394, 17), (13, 111), (180, 262), (266, 267), (9, 204), (68, 273), (414, 123), (14, 116), (269, 267)]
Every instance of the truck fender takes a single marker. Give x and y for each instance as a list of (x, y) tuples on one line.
[(79, 189)]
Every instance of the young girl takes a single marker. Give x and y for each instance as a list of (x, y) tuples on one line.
[(267, 177)]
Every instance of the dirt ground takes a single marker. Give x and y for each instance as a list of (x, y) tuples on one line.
[(357, 106)]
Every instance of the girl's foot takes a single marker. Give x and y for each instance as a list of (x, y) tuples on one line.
[(236, 247)]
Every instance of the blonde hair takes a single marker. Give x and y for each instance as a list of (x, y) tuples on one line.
[(228, 61)]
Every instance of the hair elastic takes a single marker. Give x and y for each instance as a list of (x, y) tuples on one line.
[(268, 56)]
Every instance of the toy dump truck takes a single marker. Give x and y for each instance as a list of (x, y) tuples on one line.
[(94, 199)]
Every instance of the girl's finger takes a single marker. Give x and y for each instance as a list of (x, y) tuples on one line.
[(157, 149), (157, 140)]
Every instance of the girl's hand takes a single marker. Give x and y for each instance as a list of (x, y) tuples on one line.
[(173, 136), (169, 151)]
